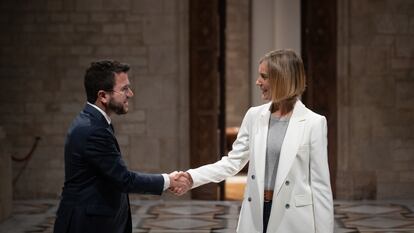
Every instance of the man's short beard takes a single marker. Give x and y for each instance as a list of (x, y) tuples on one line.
[(116, 107)]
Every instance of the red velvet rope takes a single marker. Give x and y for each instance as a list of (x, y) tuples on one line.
[(27, 157)]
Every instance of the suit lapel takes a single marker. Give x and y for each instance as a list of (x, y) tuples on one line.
[(290, 144), (112, 130)]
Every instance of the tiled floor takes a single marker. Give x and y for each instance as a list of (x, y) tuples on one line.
[(374, 216), (218, 217)]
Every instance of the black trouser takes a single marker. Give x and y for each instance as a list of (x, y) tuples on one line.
[(267, 207)]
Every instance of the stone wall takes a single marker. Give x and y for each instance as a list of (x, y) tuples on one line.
[(237, 61), (376, 99), (45, 47)]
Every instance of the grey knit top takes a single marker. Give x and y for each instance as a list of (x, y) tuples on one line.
[(275, 136)]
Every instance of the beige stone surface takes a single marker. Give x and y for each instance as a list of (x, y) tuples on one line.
[(237, 61), (45, 49), (375, 102)]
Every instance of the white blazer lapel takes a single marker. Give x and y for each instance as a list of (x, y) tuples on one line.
[(290, 144), (260, 147)]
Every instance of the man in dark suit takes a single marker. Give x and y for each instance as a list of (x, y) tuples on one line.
[(97, 181)]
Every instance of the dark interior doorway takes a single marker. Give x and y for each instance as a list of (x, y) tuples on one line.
[(319, 50), (207, 89)]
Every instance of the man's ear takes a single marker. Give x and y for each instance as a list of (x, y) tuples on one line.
[(103, 97)]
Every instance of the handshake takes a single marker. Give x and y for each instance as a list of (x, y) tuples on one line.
[(180, 182)]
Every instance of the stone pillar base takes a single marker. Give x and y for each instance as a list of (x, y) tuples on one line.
[(6, 190)]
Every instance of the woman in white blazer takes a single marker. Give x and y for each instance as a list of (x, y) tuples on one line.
[(301, 199)]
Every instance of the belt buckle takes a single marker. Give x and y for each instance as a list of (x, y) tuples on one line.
[(268, 195)]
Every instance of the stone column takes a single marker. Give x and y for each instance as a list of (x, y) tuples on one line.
[(5, 178)]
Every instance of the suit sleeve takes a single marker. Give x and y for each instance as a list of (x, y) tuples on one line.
[(228, 165), (320, 179), (101, 153)]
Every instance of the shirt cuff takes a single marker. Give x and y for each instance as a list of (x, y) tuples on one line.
[(192, 174), (166, 181)]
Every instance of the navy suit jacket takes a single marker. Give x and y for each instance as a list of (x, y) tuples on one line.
[(97, 181)]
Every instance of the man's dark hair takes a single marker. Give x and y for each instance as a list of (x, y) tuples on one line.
[(101, 76)]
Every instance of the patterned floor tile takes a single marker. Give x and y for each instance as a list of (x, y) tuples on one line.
[(217, 216), (371, 209), (375, 216), (187, 210), (381, 222)]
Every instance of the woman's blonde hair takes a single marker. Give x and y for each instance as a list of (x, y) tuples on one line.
[(286, 77)]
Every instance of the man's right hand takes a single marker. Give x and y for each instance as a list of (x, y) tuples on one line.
[(180, 182)]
